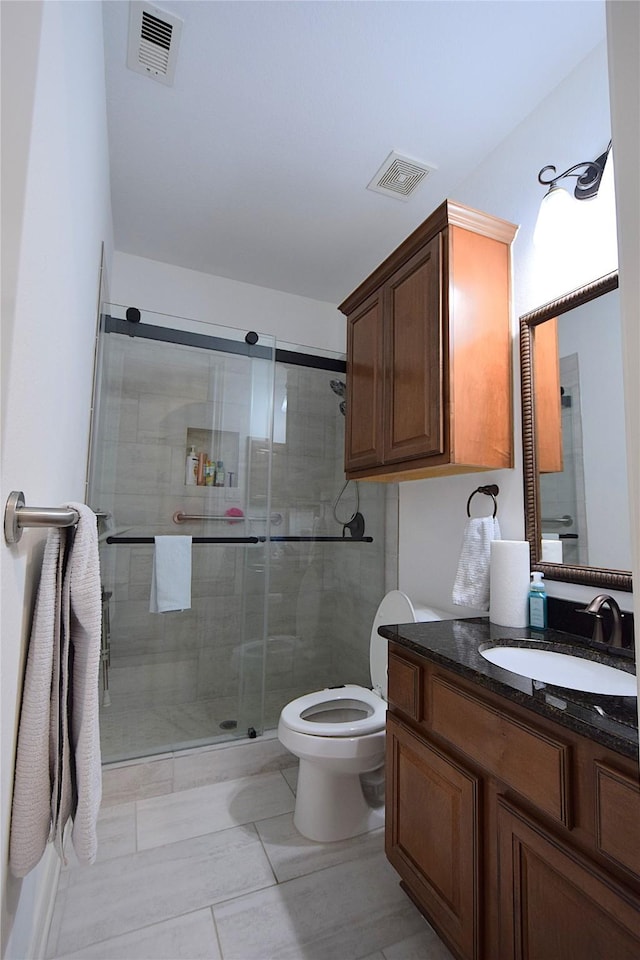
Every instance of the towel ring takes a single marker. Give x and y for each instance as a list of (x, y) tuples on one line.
[(491, 490)]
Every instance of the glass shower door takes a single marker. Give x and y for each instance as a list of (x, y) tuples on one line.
[(171, 388)]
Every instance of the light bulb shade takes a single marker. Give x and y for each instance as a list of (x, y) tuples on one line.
[(555, 209)]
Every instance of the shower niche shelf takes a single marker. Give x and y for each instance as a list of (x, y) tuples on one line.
[(216, 445)]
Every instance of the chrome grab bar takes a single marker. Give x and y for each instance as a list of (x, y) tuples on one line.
[(180, 517), (565, 520), (17, 516)]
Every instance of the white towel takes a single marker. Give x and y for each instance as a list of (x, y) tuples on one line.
[(36, 758), (471, 585), (59, 712), (84, 609), (171, 575), (551, 550)]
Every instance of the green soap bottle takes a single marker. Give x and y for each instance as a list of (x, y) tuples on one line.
[(537, 601)]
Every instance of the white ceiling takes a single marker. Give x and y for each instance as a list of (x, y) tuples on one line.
[(254, 164)]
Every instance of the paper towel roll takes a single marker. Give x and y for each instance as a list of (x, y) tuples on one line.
[(509, 579)]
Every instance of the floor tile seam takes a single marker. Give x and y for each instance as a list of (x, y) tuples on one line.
[(134, 930), (133, 853), (241, 896), (266, 853), (135, 827), (215, 929), (198, 836), (287, 783), (213, 783), (281, 883)]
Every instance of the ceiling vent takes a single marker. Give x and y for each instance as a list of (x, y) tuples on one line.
[(154, 36), (399, 176)]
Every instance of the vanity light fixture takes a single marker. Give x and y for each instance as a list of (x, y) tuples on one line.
[(589, 176)]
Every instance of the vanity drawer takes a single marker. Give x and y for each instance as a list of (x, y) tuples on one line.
[(404, 685), (525, 758), (618, 816)]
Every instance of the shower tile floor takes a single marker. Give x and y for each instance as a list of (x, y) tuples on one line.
[(128, 732), (219, 872)]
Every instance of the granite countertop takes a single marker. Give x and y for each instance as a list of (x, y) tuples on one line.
[(454, 644)]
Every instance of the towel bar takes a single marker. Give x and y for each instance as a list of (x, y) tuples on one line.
[(180, 517), (490, 490), (17, 516)]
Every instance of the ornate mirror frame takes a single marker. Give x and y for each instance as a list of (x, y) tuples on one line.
[(594, 576)]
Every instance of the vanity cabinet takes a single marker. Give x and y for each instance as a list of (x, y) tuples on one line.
[(432, 805), (515, 837), (429, 353)]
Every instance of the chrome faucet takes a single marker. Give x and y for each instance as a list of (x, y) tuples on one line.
[(615, 638)]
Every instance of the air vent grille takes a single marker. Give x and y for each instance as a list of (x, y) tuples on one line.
[(153, 41), (399, 176)]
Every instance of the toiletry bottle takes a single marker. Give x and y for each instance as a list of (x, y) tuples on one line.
[(537, 601), (200, 471), (220, 474), (191, 468), (209, 474)]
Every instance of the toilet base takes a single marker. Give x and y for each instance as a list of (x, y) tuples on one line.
[(331, 806)]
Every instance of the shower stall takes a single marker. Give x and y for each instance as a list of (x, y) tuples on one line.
[(284, 581)]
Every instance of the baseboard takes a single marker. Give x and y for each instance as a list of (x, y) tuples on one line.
[(44, 904)]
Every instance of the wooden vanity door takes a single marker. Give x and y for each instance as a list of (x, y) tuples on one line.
[(553, 903), (432, 835)]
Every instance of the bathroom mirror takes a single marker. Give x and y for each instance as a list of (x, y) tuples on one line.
[(575, 469)]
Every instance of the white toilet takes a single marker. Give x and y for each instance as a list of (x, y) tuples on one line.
[(339, 733)]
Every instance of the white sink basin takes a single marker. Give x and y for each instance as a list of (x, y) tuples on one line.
[(563, 670)]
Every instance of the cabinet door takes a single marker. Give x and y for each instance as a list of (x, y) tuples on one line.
[(414, 404), (432, 834), (363, 433), (556, 905)]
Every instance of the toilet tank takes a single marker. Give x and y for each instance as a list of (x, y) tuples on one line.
[(395, 607)]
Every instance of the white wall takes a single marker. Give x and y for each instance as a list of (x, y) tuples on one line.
[(54, 238), (623, 41), (164, 288), (566, 128)]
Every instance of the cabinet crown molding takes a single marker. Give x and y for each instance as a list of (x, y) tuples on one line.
[(449, 213)]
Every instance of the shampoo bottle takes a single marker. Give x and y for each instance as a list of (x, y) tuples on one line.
[(191, 468), (537, 601)]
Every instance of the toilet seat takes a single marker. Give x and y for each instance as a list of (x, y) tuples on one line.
[(298, 715)]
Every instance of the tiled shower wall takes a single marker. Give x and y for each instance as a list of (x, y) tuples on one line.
[(174, 678)]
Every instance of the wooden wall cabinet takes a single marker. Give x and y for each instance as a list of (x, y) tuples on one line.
[(547, 397), (517, 838), (429, 381)]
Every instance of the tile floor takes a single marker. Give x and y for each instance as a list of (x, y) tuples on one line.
[(218, 872)]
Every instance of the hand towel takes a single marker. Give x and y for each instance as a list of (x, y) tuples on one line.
[(83, 610), (551, 550), (36, 757), (58, 763), (171, 575), (471, 584)]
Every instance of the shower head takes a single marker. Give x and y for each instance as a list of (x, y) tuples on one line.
[(338, 386)]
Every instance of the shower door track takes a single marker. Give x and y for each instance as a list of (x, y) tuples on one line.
[(117, 540), (148, 331)]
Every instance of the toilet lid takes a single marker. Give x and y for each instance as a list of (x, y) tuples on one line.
[(395, 607)]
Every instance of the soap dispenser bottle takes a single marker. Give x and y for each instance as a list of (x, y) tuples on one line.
[(537, 601), (191, 468)]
